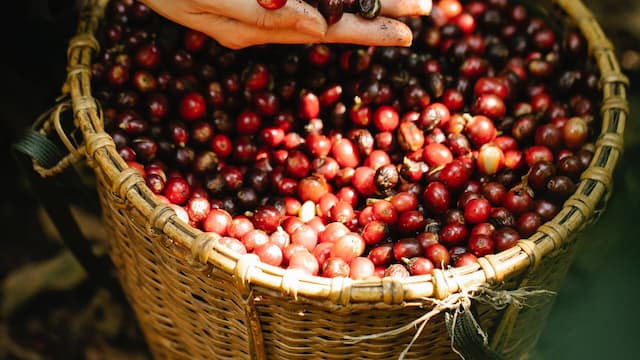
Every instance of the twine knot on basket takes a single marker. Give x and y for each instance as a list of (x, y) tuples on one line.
[(461, 323)]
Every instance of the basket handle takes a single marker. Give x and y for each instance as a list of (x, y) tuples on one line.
[(54, 180)]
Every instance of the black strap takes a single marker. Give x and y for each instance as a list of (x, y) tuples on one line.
[(467, 336), (54, 193)]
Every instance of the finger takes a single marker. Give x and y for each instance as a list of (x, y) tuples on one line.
[(234, 34), (381, 31), (295, 15), (398, 8)]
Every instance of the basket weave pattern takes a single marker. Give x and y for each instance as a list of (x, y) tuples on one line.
[(195, 300)]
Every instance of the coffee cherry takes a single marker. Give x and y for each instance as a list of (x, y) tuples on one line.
[(420, 266), (538, 153), (272, 4), (297, 165), (570, 166), (269, 253), (454, 234), (481, 245), (489, 105), (396, 271), (560, 187), (220, 222), (309, 106), (494, 192), (434, 115), (455, 175), (177, 190), (545, 208), (305, 262), (465, 259), (549, 136), (386, 178), (192, 107), (312, 188), (335, 267), (410, 137), (480, 130), (437, 154), (348, 247), (369, 9), (438, 255), (406, 248), (518, 201), (345, 153), (575, 132), (436, 198), (306, 236), (410, 222), (477, 211), (540, 174), (331, 10), (266, 218), (528, 223), (490, 159), (505, 238)]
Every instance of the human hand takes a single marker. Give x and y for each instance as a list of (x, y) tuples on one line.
[(241, 23)]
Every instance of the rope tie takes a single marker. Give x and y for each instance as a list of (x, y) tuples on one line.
[(497, 267), (92, 10), (490, 272), (202, 246), (158, 219), (392, 291), (612, 140), (441, 287), (555, 233), (78, 69), (123, 182), (615, 103), (614, 78), (598, 174), (84, 103), (96, 142), (340, 290), (83, 40), (530, 248), (578, 202), (244, 270), (291, 282), (602, 46)]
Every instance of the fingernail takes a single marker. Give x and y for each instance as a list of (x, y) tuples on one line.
[(425, 6), (405, 37), (311, 27)]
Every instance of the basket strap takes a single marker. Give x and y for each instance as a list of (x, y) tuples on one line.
[(53, 193), (467, 337)]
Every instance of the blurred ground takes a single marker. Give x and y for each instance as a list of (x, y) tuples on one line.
[(595, 312)]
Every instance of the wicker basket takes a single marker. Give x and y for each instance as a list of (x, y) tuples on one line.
[(195, 300)]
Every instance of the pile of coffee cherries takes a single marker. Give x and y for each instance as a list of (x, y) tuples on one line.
[(340, 160)]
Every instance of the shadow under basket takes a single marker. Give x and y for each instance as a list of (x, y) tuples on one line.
[(196, 300)]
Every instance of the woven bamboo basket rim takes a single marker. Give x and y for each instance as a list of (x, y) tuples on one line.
[(247, 270)]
